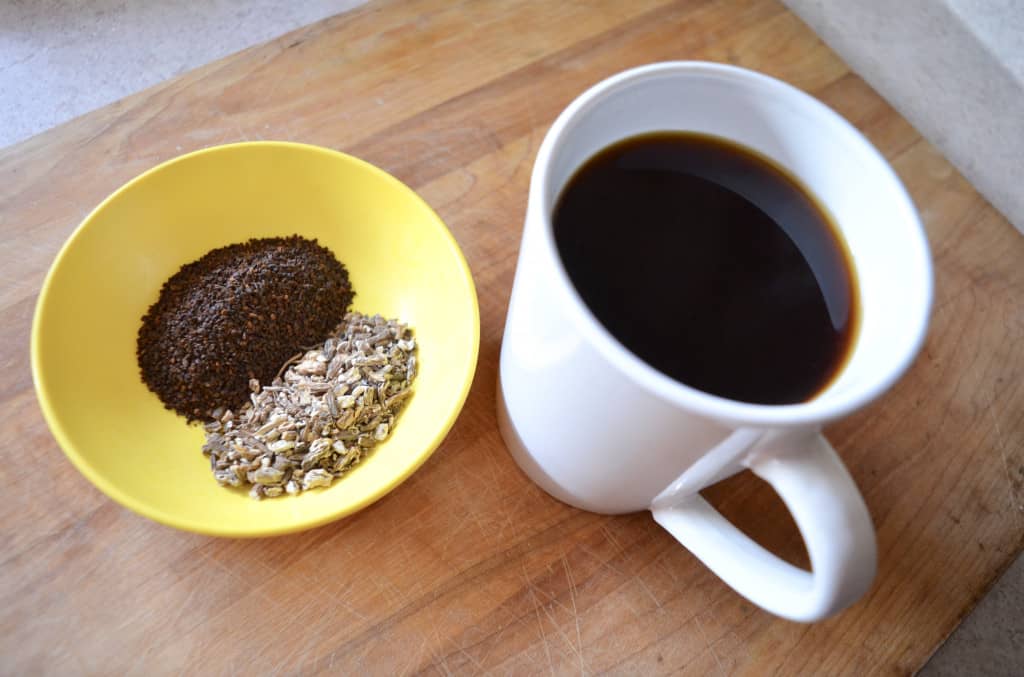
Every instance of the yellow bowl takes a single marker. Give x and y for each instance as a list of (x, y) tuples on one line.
[(402, 261)]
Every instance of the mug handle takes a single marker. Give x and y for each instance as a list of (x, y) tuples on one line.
[(830, 514)]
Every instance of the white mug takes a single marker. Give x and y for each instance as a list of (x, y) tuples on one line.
[(600, 429)]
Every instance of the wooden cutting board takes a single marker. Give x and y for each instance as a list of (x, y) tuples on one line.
[(468, 567)]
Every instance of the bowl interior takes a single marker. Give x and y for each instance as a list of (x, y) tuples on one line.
[(402, 261)]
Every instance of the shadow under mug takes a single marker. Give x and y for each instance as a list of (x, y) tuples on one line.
[(600, 429)]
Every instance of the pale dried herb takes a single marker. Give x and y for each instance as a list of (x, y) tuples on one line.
[(325, 410)]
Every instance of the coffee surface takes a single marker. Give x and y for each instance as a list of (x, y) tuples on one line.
[(711, 264)]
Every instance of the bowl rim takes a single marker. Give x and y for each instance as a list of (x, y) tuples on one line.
[(141, 507)]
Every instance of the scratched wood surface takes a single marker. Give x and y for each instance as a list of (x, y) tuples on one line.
[(468, 567)]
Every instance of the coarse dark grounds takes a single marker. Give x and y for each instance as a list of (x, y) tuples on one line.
[(235, 314)]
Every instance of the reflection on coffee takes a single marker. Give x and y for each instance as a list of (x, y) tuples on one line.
[(711, 264)]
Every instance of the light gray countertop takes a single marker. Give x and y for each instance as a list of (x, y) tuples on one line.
[(62, 58), (954, 68)]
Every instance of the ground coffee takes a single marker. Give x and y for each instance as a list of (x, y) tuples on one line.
[(238, 313)]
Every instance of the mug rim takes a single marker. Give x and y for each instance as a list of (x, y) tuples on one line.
[(819, 409)]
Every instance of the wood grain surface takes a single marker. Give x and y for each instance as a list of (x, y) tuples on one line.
[(467, 567)]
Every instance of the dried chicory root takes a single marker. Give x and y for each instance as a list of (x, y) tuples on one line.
[(326, 409)]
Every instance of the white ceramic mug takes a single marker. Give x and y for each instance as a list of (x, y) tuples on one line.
[(600, 429)]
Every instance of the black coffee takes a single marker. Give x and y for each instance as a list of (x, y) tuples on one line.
[(711, 264)]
